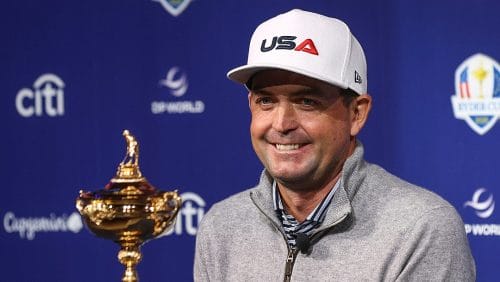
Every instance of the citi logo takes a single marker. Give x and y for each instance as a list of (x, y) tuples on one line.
[(190, 215), (484, 208), (287, 42), (46, 97)]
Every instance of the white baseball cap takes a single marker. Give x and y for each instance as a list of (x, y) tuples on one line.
[(309, 44)]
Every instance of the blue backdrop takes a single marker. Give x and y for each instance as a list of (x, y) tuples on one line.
[(74, 74)]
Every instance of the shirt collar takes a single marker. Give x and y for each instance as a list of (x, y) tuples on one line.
[(317, 215)]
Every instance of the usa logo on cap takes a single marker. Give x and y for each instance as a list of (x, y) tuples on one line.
[(477, 93)]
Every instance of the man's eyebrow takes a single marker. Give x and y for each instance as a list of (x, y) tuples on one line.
[(298, 92), (260, 92), (307, 91)]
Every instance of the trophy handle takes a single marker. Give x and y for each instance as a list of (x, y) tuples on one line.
[(174, 201)]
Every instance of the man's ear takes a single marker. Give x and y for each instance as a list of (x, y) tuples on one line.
[(249, 99), (360, 107)]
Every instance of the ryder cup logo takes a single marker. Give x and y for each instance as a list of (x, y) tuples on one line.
[(477, 97), (174, 7), (46, 97)]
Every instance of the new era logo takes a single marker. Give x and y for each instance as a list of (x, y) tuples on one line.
[(357, 78)]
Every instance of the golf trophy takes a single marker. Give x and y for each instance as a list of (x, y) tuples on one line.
[(129, 210)]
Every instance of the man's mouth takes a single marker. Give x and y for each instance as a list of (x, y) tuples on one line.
[(287, 147)]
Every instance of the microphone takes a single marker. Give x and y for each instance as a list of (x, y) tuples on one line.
[(302, 242)]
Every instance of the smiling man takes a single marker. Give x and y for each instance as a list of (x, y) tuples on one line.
[(321, 212), (303, 131)]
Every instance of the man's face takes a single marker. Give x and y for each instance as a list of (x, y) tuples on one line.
[(301, 128)]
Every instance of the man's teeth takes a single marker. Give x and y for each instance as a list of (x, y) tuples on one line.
[(287, 147)]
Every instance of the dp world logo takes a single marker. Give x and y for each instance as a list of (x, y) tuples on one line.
[(477, 93), (174, 7), (176, 82), (484, 206)]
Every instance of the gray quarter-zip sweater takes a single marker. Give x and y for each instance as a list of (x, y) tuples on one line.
[(377, 228)]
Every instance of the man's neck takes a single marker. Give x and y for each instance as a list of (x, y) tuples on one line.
[(300, 204)]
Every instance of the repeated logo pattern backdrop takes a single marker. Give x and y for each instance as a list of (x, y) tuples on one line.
[(75, 74)]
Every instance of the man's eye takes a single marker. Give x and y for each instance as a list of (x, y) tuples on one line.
[(264, 100), (309, 102)]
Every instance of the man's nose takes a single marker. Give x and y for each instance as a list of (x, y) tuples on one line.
[(285, 118)]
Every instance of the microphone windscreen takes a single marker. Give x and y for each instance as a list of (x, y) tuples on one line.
[(302, 242)]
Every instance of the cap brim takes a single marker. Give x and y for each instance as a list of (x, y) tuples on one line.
[(243, 73)]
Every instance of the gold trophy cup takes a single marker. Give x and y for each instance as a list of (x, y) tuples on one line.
[(129, 210)]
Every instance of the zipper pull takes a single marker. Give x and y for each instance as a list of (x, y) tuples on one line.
[(290, 260)]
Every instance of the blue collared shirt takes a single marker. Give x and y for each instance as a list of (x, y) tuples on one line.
[(291, 226)]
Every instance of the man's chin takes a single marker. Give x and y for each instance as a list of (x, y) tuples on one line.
[(289, 178)]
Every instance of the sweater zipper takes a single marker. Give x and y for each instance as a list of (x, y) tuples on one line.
[(292, 253), (290, 260)]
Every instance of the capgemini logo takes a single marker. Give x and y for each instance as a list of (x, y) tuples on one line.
[(484, 209), (28, 227)]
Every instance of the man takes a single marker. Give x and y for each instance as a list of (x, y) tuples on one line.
[(320, 212)]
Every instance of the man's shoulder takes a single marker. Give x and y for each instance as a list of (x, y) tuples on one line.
[(234, 203), (392, 205), (227, 212), (393, 193)]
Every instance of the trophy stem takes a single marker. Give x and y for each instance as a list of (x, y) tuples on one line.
[(130, 256)]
